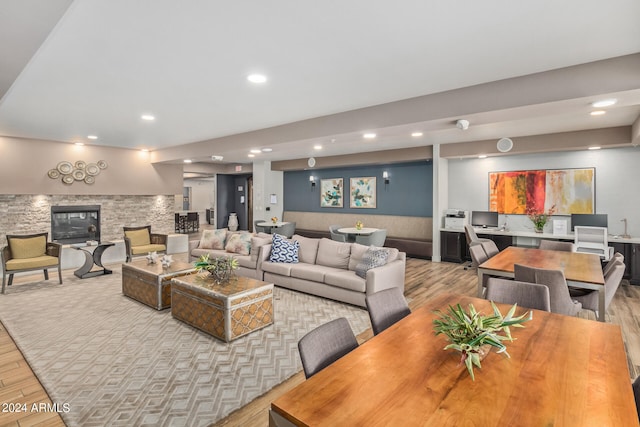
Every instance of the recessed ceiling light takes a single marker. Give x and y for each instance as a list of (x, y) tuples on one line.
[(317, 147), (251, 155), (148, 117), (79, 143), (144, 150), (267, 150), (594, 148), (482, 156), (187, 160), (369, 135), (257, 78), (255, 151), (416, 134), (604, 103), (92, 137), (598, 113)]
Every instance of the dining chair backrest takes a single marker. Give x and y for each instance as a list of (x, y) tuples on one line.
[(525, 294), (555, 245), (490, 248), (326, 344), (386, 308), (478, 255), (616, 257), (287, 229), (560, 298), (335, 235), (612, 281), (377, 238), (257, 228)]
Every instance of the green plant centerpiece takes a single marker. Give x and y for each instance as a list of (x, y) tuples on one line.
[(473, 334), (539, 218), (221, 268)]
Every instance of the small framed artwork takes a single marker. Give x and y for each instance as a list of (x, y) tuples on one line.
[(362, 192), (331, 193)]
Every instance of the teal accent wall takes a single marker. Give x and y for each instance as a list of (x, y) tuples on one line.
[(409, 192)]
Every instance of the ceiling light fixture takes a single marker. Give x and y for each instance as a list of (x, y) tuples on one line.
[(92, 137), (594, 148), (317, 147), (462, 124), (217, 158), (598, 113), (255, 151), (251, 155), (257, 78), (369, 135), (416, 134), (187, 160), (79, 144), (144, 150), (604, 103), (267, 150), (482, 156), (148, 117), (504, 145)]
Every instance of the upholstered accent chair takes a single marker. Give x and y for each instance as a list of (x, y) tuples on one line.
[(612, 280), (386, 308), (529, 295), (377, 238), (287, 230), (140, 241), (257, 228), (561, 301), (27, 253), (554, 245), (326, 344), (335, 235)]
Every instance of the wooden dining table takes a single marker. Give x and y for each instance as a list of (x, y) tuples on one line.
[(581, 270), (563, 371)]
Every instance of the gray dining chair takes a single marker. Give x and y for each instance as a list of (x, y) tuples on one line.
[(326, 344), (490, 248), (561, 301), (472, 240), (530, 295), (478, 255), (554, 245), (607, 268), (287, 229), (386, 308), (612, 281), (335, 235), (377, 238), (257, 228)]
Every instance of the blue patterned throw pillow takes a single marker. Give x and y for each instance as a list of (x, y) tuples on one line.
[(284, 250), (372, 258)]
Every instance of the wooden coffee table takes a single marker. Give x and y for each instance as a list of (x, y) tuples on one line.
[(150, 284), (227, 311)]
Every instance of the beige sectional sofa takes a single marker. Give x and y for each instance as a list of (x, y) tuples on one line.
[(328, 269), (325, 268)]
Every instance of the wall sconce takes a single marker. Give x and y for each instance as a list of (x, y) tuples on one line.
[(312, 180), (385, 176)]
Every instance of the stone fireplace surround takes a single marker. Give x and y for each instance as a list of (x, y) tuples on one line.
[(26, 214)]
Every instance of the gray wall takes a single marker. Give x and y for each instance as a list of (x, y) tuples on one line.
[(617, 182), (409, 192)]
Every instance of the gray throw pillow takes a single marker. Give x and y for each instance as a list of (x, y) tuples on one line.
[(372, 258)]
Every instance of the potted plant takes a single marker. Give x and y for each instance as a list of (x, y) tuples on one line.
[(473, 334), (220, 268), (539, 218), (359, 225)]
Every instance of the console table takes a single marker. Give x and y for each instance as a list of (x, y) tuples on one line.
[(92, 258)]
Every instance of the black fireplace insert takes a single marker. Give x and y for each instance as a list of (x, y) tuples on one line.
[(75, 224)]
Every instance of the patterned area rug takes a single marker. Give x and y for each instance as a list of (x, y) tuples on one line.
[(117, 362)]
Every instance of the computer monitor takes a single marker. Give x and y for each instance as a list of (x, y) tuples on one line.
[(484, 219), (589, 220)]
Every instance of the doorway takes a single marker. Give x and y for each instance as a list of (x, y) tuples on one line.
[(250, 204)]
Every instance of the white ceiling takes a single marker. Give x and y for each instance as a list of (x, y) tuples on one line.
[(107, 62)]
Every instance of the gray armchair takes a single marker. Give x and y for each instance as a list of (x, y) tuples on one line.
[(287, 229), (376, 238), (335, 235), (386, 308), (326, 344), (28, 253), (561, 301), (530, 295), (257, 228), (554, 245)]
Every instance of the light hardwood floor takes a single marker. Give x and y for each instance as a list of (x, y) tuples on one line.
[(424, 280)]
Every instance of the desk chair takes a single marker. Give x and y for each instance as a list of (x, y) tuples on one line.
[(530, 295), (554, 245), (490, 248), (326, 344), (561, 301), (472, 240), (386, 308)]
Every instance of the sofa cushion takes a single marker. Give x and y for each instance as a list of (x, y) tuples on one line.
[(30, 247), (345, 279), (393, 254), (311, 272), (138, 237), (281, 268), (283, 250), (256, 243), (333, 254), (246, 261), (213, 253), (34, 262), (144, 249), (213, 239), (239, 243), (373, 257), (308, 249), (357, 252)]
